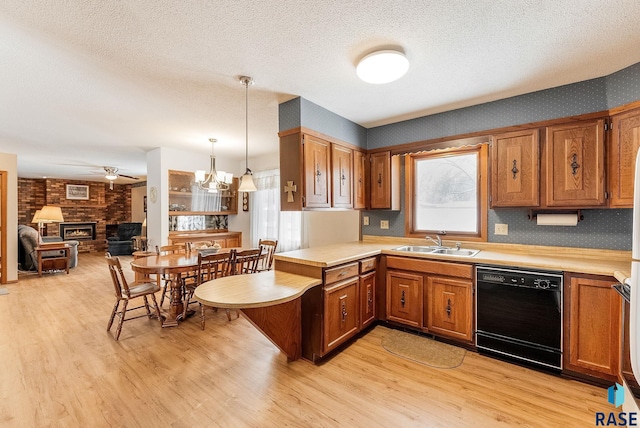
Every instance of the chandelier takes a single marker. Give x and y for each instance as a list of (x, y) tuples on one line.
[(246, 181), (214, 180)]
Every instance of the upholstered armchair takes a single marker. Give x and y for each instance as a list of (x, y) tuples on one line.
[(29, 239), (122, 244)]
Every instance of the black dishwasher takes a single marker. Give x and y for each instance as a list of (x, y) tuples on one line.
[(519, 314)]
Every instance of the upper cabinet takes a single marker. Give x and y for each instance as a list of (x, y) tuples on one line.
[(317, 154), (317, 173), (359, 179), (385, 181), (575, 168), (342, 176), (623, 148), (515, 169), (185, 198)]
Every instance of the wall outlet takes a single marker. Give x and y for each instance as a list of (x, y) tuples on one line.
[(384, 224), (502, 229), (365, 220)]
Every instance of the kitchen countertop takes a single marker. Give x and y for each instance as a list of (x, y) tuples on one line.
[(580, 260)]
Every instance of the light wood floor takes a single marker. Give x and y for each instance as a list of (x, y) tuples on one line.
[(60, 367)]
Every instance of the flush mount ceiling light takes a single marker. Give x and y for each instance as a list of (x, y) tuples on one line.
[(382, 66)]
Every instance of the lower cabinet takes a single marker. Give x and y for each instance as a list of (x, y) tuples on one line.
[(341, 313), (404, 298), (448, 307), (592, 326), (435, 297), (336, 311)]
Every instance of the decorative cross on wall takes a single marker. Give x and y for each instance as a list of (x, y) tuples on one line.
[(290, 189)]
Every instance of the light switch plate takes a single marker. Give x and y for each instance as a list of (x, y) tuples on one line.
[(384, 224), (365, 220), (502, 229)]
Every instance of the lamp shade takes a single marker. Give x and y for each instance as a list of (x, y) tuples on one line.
[(246, 182), (36, 217), (50, 214)]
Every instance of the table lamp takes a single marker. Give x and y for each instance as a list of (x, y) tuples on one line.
[(47, 214)]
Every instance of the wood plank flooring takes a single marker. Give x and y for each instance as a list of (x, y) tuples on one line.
[(61, 368)]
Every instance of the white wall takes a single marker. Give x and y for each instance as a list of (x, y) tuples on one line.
[(137, 203), (9, 163), (330, 227)]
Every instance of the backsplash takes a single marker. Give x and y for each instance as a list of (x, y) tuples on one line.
[(609, 229)]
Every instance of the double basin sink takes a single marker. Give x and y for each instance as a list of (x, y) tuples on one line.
[(460, 252)]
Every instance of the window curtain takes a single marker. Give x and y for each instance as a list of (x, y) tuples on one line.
[(267, 221)]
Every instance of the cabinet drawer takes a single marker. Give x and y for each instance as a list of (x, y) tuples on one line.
[(430, 266), (339, 273), (367, 265)]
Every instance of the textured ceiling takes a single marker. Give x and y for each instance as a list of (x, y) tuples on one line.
[(90, 83)]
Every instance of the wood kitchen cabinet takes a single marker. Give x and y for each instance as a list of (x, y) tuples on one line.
[(574, 162), (336, 311), (592, 326), (367, 291), (449, 307), (623, 148), (342, 176), (515, 169), (404, 298), (359, 180), (317, 160), (385, 181), (433, 296), (341, 319)]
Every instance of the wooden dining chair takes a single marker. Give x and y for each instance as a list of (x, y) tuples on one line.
[(210, 266), (125, 293), (268, 247), (245, 261), (165, 280)]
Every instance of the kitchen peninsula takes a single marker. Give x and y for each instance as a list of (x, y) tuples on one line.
[(340, 289)]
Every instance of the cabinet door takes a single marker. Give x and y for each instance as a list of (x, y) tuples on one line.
[(359, 180), (384, 183), (575, 164), (625, 132), (515, 169), (341, 313), (316, 172), (233, 242), (342, 180), (594, 327), (404, 298), (448, 307), (367, 299)]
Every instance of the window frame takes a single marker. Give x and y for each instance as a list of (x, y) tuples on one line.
[(483, 192)]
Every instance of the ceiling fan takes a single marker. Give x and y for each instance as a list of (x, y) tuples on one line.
[(112, 174)]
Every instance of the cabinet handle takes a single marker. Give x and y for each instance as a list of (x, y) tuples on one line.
[(342, 176), (402, 301), (448, 308), (344, 311), (574, 164), (515, 169), (343, 273), (380, 180), (318, 173), (369, 300)]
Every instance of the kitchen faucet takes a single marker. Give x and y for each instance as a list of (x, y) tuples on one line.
[(438, 239)]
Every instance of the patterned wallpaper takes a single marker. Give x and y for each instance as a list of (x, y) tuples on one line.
[(606, 229)]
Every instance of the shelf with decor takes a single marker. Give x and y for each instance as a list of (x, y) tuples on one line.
[(186, 198)]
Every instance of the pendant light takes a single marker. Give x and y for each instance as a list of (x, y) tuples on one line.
[(246, 181)]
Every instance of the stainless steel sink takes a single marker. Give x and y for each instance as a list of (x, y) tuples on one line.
[(456, 252), (416, 249), (460, 252)]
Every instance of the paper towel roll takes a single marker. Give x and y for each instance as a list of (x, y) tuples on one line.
[(557, 219)]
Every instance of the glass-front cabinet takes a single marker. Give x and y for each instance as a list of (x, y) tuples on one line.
[(186, 198)]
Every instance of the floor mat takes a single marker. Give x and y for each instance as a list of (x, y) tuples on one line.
[(423, 349)]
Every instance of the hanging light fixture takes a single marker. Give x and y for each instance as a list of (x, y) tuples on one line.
[(246, 181), (215, 180)]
